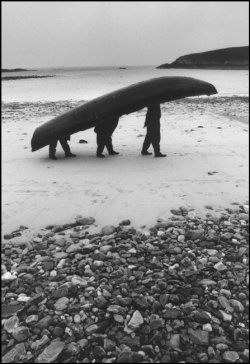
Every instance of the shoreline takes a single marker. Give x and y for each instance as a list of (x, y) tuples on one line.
[(12, 78)]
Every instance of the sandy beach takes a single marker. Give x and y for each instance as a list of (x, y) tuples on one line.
[(205, 139)]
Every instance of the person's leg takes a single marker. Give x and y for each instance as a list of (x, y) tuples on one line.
[(66, 148), (100, 145), (52, 150), (109, 145), (156, 144), (146, 144)]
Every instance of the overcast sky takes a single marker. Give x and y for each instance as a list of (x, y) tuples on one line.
[(50, 34)]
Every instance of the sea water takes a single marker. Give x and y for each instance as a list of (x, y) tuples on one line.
[(88, 83)]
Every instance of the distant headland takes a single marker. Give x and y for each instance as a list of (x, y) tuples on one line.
[(14, 70), (11, 78), (227, 58)]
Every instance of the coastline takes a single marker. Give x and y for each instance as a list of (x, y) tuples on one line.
[(12, 78)]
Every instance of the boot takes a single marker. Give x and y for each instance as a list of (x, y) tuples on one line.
[(160, 155), (113, 153), (70, 155), (145, 152), (53, 157), (99, 155)]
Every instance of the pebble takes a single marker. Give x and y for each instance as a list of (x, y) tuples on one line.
[(230, 356), (199, 337), (21, 333), (225, 316), (15, 354), (237, 305), (136, 320), (220, 267), (207, 327), (31, 319), (108, 230), (51, 352), (11, 324), (61, 304)]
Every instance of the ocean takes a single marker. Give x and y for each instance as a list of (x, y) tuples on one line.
[(88, 83)]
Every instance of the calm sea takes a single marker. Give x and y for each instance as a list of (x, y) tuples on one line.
[(88, 83)]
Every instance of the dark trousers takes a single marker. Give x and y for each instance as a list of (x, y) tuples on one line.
[(102, 142), (64, 144), (152, 137)]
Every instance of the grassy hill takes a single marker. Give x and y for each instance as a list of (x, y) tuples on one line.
[(227, 58)]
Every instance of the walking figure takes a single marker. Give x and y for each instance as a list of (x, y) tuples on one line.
[(65, 146), (104, 133), (153, 135)]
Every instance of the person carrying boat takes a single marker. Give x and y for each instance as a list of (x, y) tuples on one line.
[(153, 135), (65, 146), (104, 133)]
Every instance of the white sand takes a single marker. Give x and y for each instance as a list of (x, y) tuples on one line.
[(37, 191)]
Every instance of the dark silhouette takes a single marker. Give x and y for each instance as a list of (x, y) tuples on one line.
[(104, 133), (153, 135), (64, 143)]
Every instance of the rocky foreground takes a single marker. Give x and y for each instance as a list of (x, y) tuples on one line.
[(177, 293)]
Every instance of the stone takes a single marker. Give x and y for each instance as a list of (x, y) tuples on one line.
[(83, 343), (118, 318), (230, 356), (77, 319), (198, 337), (60, 292), (223, 301), (31, 319), (108, 230), (141, 302), (207, 327), (237, 305), (14, 355), (85, 220), (79, 281), (174, 341), (156, 324), (105, 248), (207, 282), (11, 324), (44, 322), (74, 248), (201, 316), (125, 357), (171, 313), (21, 333), (109, 345), (58, 331), (125, 222), (38, 344), (51, 352), (136, 320), (71, 349), (226, 316), (61, 304), (221, 347), (60, 255), (91, 329), (48, 266), (115, 309), (99, 352), (220, 267), (8, 277)]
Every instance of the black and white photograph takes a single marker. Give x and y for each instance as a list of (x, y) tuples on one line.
[(125, 181)]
